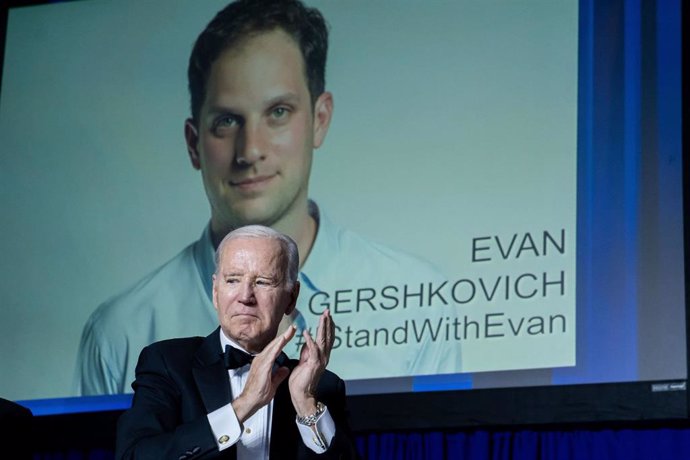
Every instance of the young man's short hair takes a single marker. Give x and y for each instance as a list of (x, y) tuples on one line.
[(244, 18)]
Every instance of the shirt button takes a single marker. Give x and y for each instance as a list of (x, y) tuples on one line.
[(223, 439), (248, 430)]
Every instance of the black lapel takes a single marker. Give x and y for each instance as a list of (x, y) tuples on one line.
[(210, 374), (284, 433)]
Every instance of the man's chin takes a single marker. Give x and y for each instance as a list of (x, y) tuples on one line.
[(254, 213), (245, 324)]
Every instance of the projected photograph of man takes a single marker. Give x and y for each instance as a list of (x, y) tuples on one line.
[(423, 158)]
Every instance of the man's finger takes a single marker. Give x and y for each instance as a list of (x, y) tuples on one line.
[(330, 330), (311, 346), (322, 332), (328, 336)]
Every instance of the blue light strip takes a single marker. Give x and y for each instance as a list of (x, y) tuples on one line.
[(632, 153), (77, 404), (442, 382)]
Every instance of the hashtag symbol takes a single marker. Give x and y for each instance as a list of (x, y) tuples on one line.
[(299, 341)]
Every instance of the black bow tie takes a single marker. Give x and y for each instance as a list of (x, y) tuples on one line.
[(235, 358)]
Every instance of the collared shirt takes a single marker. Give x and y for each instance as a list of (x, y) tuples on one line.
[(380, 299), (253, 437)]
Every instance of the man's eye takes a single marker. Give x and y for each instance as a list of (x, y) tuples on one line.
[(265, 283), (226, 121), (232, 281), (280, 112)]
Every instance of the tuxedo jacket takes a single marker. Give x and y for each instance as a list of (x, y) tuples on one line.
[(179, 381)]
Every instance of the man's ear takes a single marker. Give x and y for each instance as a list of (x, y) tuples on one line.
[(323, 111), (191, 137), (293, 298), (214, 295)]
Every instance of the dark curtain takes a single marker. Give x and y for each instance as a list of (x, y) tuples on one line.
[(605, 444), (624, 444)]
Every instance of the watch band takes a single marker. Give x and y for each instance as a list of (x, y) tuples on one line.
[(310, 420)]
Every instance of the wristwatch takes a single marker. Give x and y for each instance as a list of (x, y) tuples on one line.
[(310, 420)]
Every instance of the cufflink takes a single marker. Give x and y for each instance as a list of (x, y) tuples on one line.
[(223, 439)]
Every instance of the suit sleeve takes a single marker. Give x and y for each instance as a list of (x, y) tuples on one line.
[(153, 428)]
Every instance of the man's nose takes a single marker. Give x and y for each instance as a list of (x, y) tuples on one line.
[(246, 295), (250, 144)]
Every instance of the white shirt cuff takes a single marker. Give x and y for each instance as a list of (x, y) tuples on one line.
[(225, 426), (318, 437)]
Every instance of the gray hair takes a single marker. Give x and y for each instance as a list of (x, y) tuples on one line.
[(288, 245)]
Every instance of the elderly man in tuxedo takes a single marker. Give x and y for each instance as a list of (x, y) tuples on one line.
[(234, 393)]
